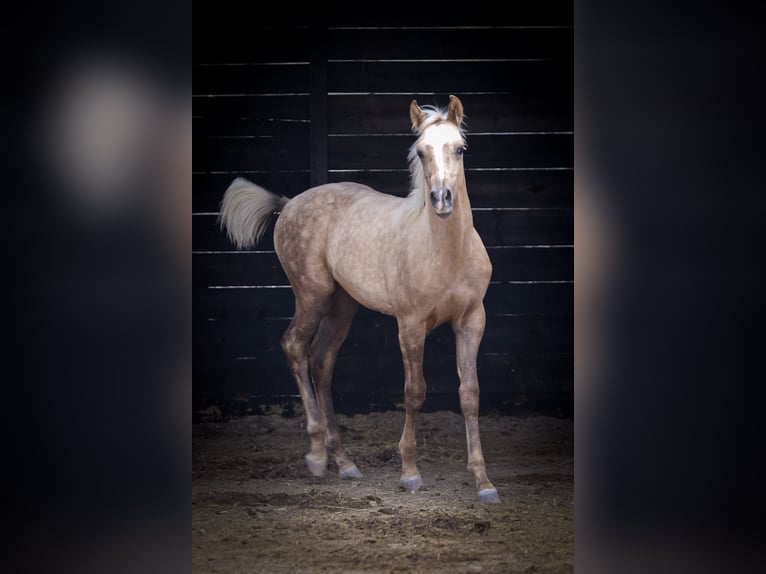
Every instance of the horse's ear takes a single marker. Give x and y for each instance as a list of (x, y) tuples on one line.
[(455, 111), (416, 115)]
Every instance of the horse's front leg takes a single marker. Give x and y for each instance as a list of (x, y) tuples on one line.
[(469, 330), (411, 341)]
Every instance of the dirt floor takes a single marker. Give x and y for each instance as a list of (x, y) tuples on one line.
[(256, 508)]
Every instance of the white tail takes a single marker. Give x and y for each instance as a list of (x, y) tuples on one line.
[(246, 211)]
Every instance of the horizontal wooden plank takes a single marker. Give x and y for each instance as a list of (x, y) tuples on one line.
[(250, 79), (535, 227), (441, 43), (263, 108), (230, 127), (515, 111), (263, 268), (272, 154), (229, 18), (487, 189), (207, 234), (480, 13), (484, 151), (533, 264), (378, 152), (285, 43), (242, 304), (240, 39), (373, 333), (496, 228), (249, 305), (532, 298), (452, 77), (237, 269), (384, 374)]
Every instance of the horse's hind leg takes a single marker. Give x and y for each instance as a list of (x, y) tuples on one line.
[(324, 349), (295, 343)]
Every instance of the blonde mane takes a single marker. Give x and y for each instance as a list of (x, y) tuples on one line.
[(418, 184)]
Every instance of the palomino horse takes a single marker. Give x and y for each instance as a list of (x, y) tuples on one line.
[(417, 258)]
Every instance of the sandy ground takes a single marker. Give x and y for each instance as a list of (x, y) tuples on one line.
[(256, 508)]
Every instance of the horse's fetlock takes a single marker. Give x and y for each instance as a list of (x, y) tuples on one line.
[(407, 450), (414, 399)]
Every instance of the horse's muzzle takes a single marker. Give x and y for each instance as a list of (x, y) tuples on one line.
[(441, 201)]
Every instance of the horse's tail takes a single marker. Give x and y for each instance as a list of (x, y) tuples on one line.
[(247, 210)]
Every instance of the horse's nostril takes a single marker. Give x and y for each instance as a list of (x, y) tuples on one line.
[(434, 197), (448, 196)]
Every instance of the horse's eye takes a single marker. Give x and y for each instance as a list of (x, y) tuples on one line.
[(420, 154), (461, 150)]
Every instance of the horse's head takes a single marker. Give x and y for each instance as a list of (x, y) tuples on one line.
[(439, 152)]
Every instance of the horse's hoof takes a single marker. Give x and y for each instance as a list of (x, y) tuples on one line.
[(489, 496), (351, 472), (316, 467), (411, 483)]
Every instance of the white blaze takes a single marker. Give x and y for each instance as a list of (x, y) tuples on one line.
[(441, 139)]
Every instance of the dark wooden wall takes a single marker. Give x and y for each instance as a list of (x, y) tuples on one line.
[(293, 106)]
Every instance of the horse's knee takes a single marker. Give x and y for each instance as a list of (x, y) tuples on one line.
[(414, 397)]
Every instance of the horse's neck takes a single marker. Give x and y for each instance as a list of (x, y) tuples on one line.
[(448, 238)]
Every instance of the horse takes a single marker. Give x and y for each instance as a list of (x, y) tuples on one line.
[(417, 258)]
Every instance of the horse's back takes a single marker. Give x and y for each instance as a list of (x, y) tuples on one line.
[(319, 206), (324, 202)]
